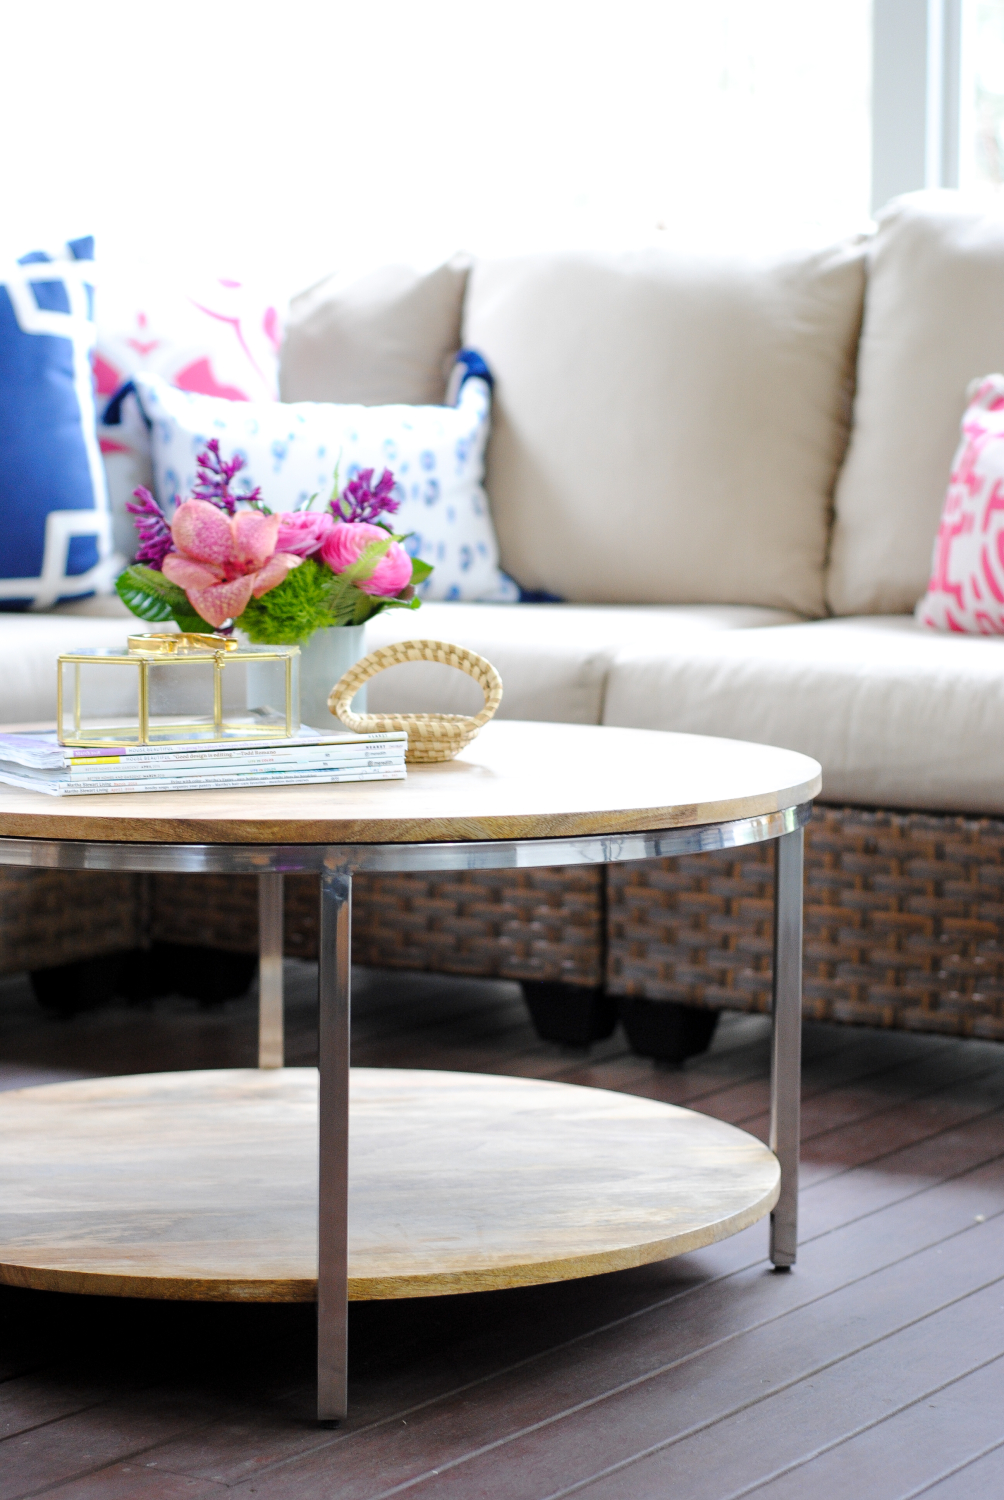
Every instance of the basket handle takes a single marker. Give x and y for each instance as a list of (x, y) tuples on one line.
[(482, 671)]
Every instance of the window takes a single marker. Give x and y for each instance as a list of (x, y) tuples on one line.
[(982, 95), (290, 136)]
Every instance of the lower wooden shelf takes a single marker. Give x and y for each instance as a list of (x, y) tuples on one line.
[(203, 1185)]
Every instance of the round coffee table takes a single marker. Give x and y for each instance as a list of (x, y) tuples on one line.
[(199, 1185)]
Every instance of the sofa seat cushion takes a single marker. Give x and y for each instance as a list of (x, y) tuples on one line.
[(554, 658), (897, 715), (668, 427), (29, 645)]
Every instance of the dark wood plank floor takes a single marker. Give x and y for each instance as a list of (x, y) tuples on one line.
[(874, 1371)]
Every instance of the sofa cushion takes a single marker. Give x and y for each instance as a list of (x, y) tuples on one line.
[(294, 451), (668, 428), (935, 280), (897, 715), (554, 658), (29, 645), (217, 336), (385, 338), (55, 527), (966, 589)]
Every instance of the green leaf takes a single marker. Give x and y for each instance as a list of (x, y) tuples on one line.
[(150, 595), (141, 600), (365, 564), (420, 570), (335, 498), (155, 598)]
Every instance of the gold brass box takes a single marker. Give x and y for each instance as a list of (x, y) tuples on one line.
[(177, 688)]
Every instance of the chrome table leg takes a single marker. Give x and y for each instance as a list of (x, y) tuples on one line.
[(270, 1037), (786, 1043), (333, 1116)]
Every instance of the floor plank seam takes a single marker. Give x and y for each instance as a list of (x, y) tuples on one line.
[(921, 1140), (974, 1458), (746, 1122), (855, 1432), (685, 1359), (530, 1359), (929, 1187), (882, 1072), (649, 1452), (21, 1374), (79, 1474), (77, 1411)]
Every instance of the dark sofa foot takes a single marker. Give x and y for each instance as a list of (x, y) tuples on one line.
[(67, 989), (665, 1029), (209, 975), (569, 1013)]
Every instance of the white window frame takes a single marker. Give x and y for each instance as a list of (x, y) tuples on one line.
[(916, 96)]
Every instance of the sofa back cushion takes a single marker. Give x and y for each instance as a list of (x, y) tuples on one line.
[(932, 324), (668, 428), (55, 529), (386, 338)]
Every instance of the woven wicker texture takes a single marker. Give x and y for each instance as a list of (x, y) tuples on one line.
[(904, 921), (50, 917), (525, 924), (904, 924), (431, 737), (212, 911)]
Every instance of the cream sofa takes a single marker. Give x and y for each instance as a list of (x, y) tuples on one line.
[(730, 469)]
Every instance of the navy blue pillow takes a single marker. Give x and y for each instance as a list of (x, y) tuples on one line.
[(55, 526)]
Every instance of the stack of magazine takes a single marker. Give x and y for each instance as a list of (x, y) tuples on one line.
[(39, 763)]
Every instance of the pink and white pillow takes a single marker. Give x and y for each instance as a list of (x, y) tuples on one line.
[(966, 591), (216, 338)]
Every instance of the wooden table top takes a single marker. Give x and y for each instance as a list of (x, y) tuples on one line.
[(515, 781)]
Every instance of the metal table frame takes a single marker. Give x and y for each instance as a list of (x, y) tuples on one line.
[(336, 864)]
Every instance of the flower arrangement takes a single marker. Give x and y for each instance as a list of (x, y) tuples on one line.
[(277, 577)]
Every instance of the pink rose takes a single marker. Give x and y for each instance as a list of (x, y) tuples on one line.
[(220, 561), (347, 540), (302, 532)]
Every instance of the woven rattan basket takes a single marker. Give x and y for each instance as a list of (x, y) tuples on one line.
[(431, 737)]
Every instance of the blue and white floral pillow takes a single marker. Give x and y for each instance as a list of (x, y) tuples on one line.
[(55, 526), (292, 451)]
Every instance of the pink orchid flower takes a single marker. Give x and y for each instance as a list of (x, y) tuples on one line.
[(302, 532), (220, 560), (349, 539)]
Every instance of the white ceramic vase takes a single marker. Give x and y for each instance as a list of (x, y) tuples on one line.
[(325, 658)]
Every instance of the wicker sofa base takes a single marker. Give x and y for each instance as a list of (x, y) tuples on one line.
[(904, 922), (50, 917), (525, 924)]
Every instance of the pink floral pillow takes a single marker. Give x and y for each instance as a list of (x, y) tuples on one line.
[(217, 338), (966, 591)]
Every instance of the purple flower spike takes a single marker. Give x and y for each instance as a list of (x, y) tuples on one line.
[(362, 500), (215, 475), (151, 524)]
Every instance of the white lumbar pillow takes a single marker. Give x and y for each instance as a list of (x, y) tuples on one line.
[(292, 451), (668, 427)]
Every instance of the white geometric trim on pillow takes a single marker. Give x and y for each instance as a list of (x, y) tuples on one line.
[(62, 526)]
